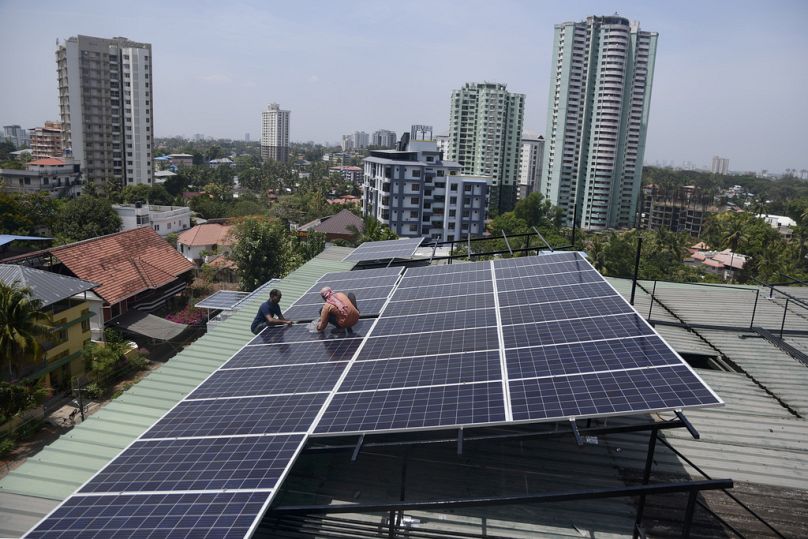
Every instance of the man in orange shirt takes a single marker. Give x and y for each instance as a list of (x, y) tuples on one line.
[(339, 310)]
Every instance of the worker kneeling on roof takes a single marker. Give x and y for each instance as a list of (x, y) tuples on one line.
[(339, 309)]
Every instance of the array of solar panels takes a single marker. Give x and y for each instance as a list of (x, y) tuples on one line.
[(371, 287), (530, 339), (224, 300), (384, 250)]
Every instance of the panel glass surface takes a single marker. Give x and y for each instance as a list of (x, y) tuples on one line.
[(359, 274), (588, 357), (299, 333), (435, 322), (543, 269), (523, 314), (325, 351), (385, 249), (457, 267), (270, 380), (222, 299), (555, 293), (250, 415), (665, 388), (438, 305), (439, 342), (250, 462), (429, 370), (226, 515), (556, 279), (415, 281), (360, 290), (444, 406), (444, 290), (336, 284), (546, 258), (568, 331)]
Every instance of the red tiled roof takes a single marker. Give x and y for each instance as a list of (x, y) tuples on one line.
[(207, 234), (48, 161), (125, 263)]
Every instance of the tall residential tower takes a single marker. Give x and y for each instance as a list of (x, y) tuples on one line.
[(597, 118), (275, 133), (105, 100), (485, 137)]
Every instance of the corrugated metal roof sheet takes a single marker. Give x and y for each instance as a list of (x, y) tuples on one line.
[(59, 469), (45, 286)]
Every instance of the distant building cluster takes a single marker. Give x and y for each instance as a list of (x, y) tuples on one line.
[(720, 166)]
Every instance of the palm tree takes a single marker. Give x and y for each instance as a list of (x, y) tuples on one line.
[(22, 321), (372, 230)]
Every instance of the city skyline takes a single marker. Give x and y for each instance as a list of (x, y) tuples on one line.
[(717, 91)]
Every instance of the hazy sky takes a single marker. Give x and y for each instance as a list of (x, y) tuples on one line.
[(731, 77)]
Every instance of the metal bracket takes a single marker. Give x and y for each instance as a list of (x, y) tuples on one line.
[(507, 243), (536, 230), (358, 448), (460, 441), (688, 425), (578, 439)]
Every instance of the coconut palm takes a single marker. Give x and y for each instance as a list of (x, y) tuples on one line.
[(372, 230), (22, 321)]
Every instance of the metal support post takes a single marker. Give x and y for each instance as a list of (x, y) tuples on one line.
[(460, 441), (451, 252), (536, 230), (574, 220), (468, 244), (646, 477), (783, 323), (688, 425), (507, 243), (358, 448), (754, 309), (651, 307), (578, 439), (691, 506), (636, 268)]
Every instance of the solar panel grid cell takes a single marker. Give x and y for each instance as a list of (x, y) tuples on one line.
[(435, 322), (556, 279), (438, 291), (328, 350), (444, 279), (299, 333), (270, 381), (556, 293), (197, 464), (358, 288), (438, 305), (448, 268), (542, 269), (440, 342), (566, 331), (385, 280), (523, 314)]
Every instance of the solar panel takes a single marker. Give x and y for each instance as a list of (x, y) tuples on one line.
[(438, 342), (383, 250), (443, 290), (324, 351), (435, 322), (444, 278), (262, 292), (299, 333), (224, 300)]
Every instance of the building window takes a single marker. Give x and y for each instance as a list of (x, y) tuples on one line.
[(453, 187), (441, 173), (416, 173)]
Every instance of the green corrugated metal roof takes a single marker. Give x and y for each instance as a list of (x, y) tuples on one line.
[(59, 469)]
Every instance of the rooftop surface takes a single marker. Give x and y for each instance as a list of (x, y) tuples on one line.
[(45, 286), (760, 438)]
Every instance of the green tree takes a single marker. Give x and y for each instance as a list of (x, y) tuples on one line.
[(372, 230), (86, 217), (151, 194), (22, 324), (535, 210), (264, 250)]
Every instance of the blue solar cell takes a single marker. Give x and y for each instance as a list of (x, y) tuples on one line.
[(522, 314), (430, 370), (539, 281), (222, 299), (270, 380), (543, 269), (438, 406), (448, 268), (439, 342), (439, 305), (250, 462), (416, 280), (385, 249), (357, 287), (337, 284), (546, 258), (325, 351), (299, 333), (567, 331), (588, 357), (435, 322), (555, 293), (367, 307), (438, 291), (605, 393), (227, 514), (249, 415), (359, 274)]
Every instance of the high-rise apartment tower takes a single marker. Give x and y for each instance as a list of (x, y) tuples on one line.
[(597, 118), (275, 133), (485, 137), (105, 100)]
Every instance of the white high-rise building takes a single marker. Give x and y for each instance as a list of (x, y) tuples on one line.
[(530, 162), (383, 139), (720, 165), (485, 132), (106, 105), (597, 118), (275, 133)]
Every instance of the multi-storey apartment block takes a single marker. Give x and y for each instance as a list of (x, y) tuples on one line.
[(530, 162), (416, 193), (106, 105), (597, 118), (46, 141), (485, 132), (383, 139), (275, 133)]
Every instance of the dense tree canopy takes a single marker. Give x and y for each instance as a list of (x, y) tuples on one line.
[(86, 217)]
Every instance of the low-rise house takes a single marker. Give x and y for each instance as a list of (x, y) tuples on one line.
[(163, 219), (56, 176), (348, 172), (181, 159), (65, 300), (205, 240), (160, 176), (341, 226), (346, 200), (224, 161), (724, 263), (781, 223)]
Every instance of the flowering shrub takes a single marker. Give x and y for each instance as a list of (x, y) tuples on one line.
[(189, 315)]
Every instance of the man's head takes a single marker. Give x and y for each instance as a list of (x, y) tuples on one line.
[(275, 295), (326, 292)]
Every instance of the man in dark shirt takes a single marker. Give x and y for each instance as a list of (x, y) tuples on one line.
[(269, 314)]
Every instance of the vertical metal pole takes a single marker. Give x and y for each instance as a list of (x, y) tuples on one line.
[(754, 309), (653, 292), (636, 268), (646, 477), (574, 219), (451, 252), (691, 506), (783, 323), (81, 403)]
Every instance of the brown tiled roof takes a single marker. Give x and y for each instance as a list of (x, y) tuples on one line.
[(48, 161), (125, 263), (207, 234), (340, 223)]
